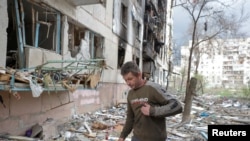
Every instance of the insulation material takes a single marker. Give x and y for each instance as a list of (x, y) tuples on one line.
[(84, 51)]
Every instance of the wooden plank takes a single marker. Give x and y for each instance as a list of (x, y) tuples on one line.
[(21, 138)]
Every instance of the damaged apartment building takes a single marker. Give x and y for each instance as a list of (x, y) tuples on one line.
[(63, 57)]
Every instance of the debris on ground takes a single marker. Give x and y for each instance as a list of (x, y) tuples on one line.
[(107, 124)]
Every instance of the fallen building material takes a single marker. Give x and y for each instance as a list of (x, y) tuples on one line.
[(90, 135), (116, 138), (74, 130), (21, 138), (204, 134), (174, 132), (87, 127), (241, 121)]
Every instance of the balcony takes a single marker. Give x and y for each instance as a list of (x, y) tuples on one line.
[(86, 2), (70, 76), (148, 52), (151, 22)]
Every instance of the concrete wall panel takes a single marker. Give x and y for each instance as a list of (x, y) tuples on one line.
[(99, 13), (42, 56), (50, 110), (109, 12), (26, 105), (10, 125), (4, 112), (3, 34)]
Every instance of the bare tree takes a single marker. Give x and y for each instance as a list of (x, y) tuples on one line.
[(169, 59), (183, 75), (210, 19)]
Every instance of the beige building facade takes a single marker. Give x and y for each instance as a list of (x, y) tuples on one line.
[(227, 66)]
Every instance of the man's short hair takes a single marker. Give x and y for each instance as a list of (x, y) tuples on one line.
[(130, 67)]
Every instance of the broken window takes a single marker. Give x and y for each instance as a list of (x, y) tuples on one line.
[(121, 54), (31, 25), (75, 34), (34, 46), (96, 46), (124, 15), (85, 42), (137, 27)]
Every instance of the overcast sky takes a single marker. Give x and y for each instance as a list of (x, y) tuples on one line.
[(182, 21)]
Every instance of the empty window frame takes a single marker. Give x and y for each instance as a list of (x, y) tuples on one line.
[(137, 27), (85, 41), (124, 15), (121, 54), (31, 25)]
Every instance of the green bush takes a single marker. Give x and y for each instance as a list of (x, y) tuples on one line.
[(226, 93), (246, 92)]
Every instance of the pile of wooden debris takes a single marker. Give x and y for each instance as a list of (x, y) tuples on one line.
[(82, 74)]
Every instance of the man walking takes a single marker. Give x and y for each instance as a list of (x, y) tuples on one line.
[(148, 105)]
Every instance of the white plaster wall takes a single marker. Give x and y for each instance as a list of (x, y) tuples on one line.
[(83, 16), (98, 11), (65, 36), (3, 33)]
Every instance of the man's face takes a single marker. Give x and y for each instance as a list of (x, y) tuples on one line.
[(132, 81)]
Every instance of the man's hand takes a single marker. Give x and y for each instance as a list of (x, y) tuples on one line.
[(120, 139), (145, 109)]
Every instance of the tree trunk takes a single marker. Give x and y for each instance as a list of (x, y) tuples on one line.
[(202, 88), (182, 78), (188, 99), (167, 82)]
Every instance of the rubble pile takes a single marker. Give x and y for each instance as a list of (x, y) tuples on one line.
[(106, 124), (97, 126), (208, 110)]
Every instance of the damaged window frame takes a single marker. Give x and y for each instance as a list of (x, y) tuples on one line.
[(95, 41), (40, 17), (121, 54), (33, 38), (43, 34), (137, 27), (124, 15)]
